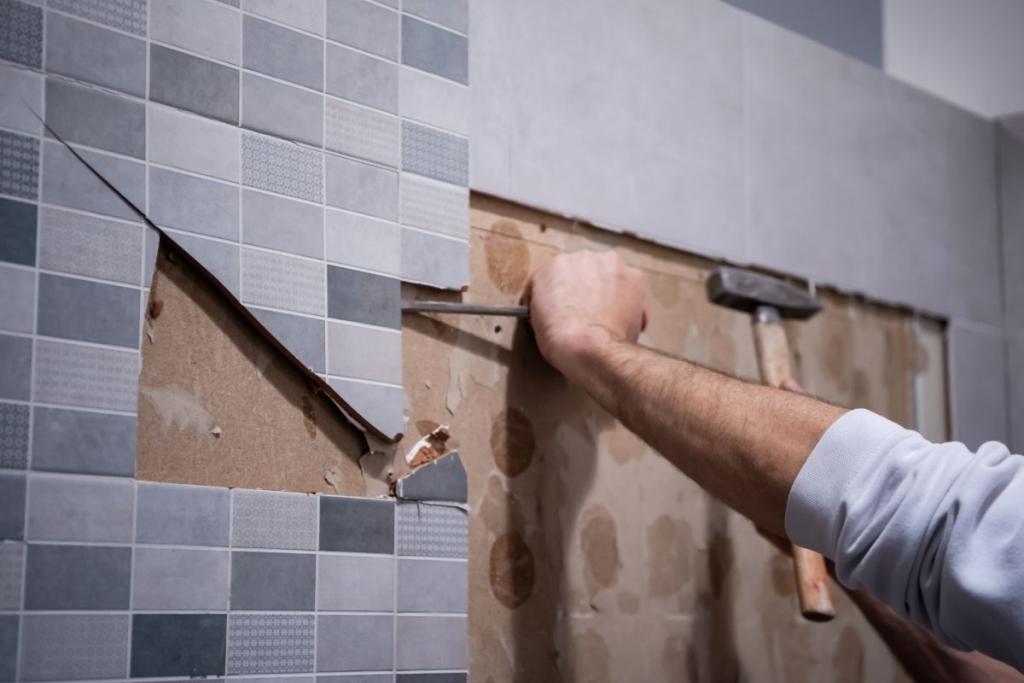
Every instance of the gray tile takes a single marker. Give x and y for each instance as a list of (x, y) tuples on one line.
[(220, 258), (362, 187), (440, 677), (355, 642), (182, 515), (19, 165), (12, 560), (363, 25), (283, 167), (282, 53), (205, 28), (188, 82), (451, 13), (303, 336), (432, 586), (17, 307), (280, 109), (83, 442), (80, 509), (361, 132), (74, 577), (356, 525), (9, 626), (12, 506), (359, 352), (977, 372), (354, 583), (90, 53), (178, 645), (435, 50), (96, 118), (15, 367), (187, 202), (270, 643), (284, 224), (305, 14), (434, 100), (426, 530), (83, 310), (79, 244), (21, 94), (434, 260), (281, 281), (432, 642), (14, 419), (273, 581), (152, 247), (361, 78), (363, 242), (68, 182), (86, 376), (363, 297), (271, 519), (17, 232), (74, 646), (180, 579), (1011, 205), (381, 404), (357, 678), (21, 33), (443, 479), (126, 15), (193, 143), (435, 154)]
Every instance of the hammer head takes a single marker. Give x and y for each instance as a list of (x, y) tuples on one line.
[(745, 290)]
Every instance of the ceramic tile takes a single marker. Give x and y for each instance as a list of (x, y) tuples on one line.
[(12, 506), (356, 525), (453, 14), (270, 643), (305, 14), (977, 372), (211, 209), (152, 247), (353, 583), (443, 479), (435, 50), (180, 579), (178, 645), (9, 626), (301, 335), (74, 646), (282, 53), (426, 530), (273, 581), (283, 167), (357, 678), (96, 118), (435, 154), (68, 182), (192, 83), (361, 78), (12, 560), (14, 419), (364, 25), (363, 242), (15, 367), (381, 404), (17, 232), (78, 244), (360, 352), (434, 100), (21, 33), (432, 642), (85, 376), (21, 94), (283, 110), (83, 442), (71, 577), (96, 55), (126, 15), (205, 28), (83, 310), (80, 509), (19, 165), (434, 260), (220, 258), (283, 224), (17, 306), (269, 519), (439, 677), (280, 281), (363, 297), (193, 143), (363, 188), (355, 642), (182, 515), (361, 132)]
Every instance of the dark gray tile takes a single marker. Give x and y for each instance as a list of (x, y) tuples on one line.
[(444, 677), (12, 506), (273, 581), (192, 83), (363, 297), (68, 182), (360, 187), (21, 33), (363, 25), (14, 418), (280, 109), (280, 223), (19, 165), (90, 53), (126, 15), (18, 304), (443, 479), (435, 154), (17, 232), (15, 367), (186, 202), (271, 644), (435, 50), (12, 566), (178, 645), (282, 53), (71, 577), (83, 310), (451, 13), (8, 646), (83, 442), (361, 78), (182, 515), (355, 642), (358, 526), (96, 118), (432, 586), (100, 651), (301, 335)]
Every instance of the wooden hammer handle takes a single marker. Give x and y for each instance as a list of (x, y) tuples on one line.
[(811, 575)]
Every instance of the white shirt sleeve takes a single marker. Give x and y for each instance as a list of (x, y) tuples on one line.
[(934, 530)]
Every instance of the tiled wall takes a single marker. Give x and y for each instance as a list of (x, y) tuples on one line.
[(309, 153)]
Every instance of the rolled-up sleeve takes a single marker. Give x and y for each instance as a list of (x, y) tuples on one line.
[(934, 530)]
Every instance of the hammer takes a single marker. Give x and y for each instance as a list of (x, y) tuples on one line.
[(769, 300)]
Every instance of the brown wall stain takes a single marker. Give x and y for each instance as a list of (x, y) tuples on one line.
[(848, 659), (600, 546), (512, 442), (590, 657), (511, 570), (508, 259), (669, 555)]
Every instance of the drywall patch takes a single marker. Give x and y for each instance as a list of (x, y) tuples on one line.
[(178, 409)]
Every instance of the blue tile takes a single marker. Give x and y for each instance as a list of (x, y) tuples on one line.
[(17, 232), (178, 645), (15, 367), (12, 506), (273, 581), (70, 577), (8, 646)]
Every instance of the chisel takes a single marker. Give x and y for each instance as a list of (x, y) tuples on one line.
[(460, 308)]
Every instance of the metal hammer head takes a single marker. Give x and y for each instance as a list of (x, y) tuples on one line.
[(745, 290)]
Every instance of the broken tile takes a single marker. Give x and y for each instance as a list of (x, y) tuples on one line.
[(80, 509), (19, 165), (180, 579), (364, 25), (9, 626), (361, 132), (432, 642), (125, 15), (355, 642), (361, 78), (360, 187), (435, 260), (282, 53), (21, 33), (442, 479), (305, 14), (12, 506), (282, 167), (176, 514), (96, 118), (96, 55), (435, 50), (282, 281), (280, 223), (356, 525), (193, 143), (270, 643), (360, 352), (205, 28), (381, 404), (12, 558), (302, 335), (79, 244), (211, 209), (83, 310), (17, 232), (354, 583), (58, 647), (363, 242), (68, 182), (86, 376), (270, 519), (178, 645), (426, 530), (283, 110), (14, 419), (83, 442), (15, 367), (435, 154), (453, 14), (21, 95), (220, 258), (73, 577), (273, 581), (363, 297), (17, 306), (192, 83)]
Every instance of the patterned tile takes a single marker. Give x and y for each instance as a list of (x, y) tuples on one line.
[(268, 519), (182, 515), (96, 247), (270, 643), (15, 367), (282, 53), (183, 80), (74, 647), (283, 167), (178, 645), (12, 557), (435, 154), (432, 642), (127, 15), (19, 165), (84, 310), (85, 509), (83, 442), (355, 642), (17, 232), (361, 78), (72, 374), (21, 33), (426, 530), (18, 304), (71, 577), (438, 677), (269, 581), (361, 132), (434, 206), (435, 50), (280, 281), (94, 54), (356, 525), (364, 25), (13, 435)]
